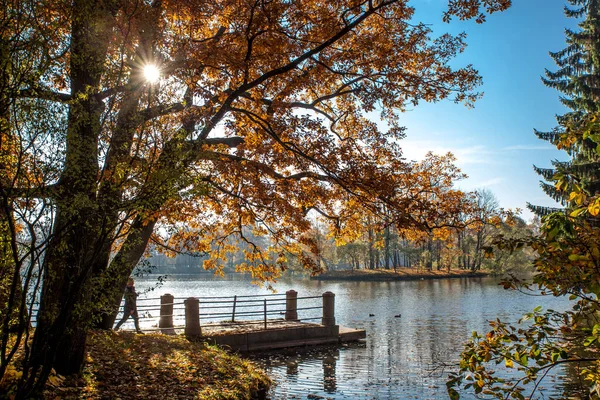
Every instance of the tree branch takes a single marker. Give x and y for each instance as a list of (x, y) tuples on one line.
[(226, 106), (39, 192), (266, 168), (232, 142), (159, 111), (44, 94)]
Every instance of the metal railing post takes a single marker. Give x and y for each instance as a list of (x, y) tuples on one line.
[(165, 322), (291, 305), (265, 302), (192, 317), (328, 309), (233, 313)]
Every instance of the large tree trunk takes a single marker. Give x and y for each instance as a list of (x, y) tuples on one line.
[(9, 275), (79, 239), (65, 307)]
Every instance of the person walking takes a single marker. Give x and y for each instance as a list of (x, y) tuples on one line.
[(130, 309)]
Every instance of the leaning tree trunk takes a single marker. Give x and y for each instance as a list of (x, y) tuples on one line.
[(171, 165), (112, 279), (115, 279)]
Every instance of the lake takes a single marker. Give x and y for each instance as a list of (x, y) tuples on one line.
[(415, 329)]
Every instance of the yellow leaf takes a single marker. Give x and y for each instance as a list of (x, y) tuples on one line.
[(572, 196), (509, 363), (594, 207)]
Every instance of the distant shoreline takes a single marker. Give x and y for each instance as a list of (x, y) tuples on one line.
[(402, 274)]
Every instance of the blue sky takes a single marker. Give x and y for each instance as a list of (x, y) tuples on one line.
[(494, 142)]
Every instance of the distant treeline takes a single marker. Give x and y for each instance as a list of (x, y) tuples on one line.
[(388, 248), (467, 247)]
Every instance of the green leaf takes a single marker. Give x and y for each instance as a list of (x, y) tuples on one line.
[(595, 137), (564, 355), (453, 394), (589, 340), (526, 317)]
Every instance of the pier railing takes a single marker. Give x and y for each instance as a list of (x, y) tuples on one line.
[(192, 314)]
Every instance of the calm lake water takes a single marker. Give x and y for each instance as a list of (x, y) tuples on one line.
[(402, 357)]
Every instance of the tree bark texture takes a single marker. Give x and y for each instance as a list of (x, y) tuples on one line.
[(78, 238)]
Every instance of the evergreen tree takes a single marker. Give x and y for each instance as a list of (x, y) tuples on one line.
[(567, 248), (578, 79)]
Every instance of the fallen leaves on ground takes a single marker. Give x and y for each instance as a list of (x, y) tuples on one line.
[(128, 366)]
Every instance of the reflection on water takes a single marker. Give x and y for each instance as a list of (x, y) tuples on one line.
[(416, 327), (300, 365)]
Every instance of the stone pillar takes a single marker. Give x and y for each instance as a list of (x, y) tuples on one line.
[(165, 323), (192, 317), (291, 305), (328, 309)]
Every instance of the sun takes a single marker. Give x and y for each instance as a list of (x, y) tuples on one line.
[(151, 73)]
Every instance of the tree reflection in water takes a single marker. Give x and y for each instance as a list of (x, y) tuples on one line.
[(304, 362), (329, 381)]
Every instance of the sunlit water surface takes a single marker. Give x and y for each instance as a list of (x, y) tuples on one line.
[(417, 328)]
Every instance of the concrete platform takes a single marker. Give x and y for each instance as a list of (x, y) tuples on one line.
[(351, 335), (279, 334)]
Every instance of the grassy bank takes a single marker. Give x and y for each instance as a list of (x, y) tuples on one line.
[(128, 366), (401, 274)]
